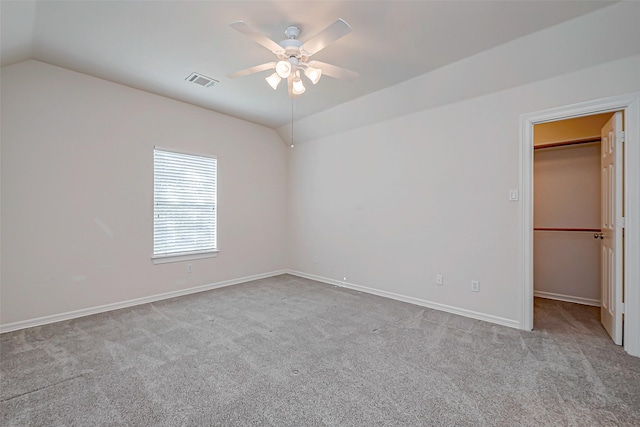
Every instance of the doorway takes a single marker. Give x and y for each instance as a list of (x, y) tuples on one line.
[(567, 214), (630, 106)]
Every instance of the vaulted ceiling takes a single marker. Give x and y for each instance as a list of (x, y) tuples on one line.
[(154, 46)]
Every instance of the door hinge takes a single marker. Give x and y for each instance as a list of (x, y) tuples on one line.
[(621, 308), (620, 136), (621, 222)]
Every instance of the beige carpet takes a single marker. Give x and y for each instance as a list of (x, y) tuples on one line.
[(287, 351)]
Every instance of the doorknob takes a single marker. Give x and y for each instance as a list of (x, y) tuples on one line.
[(598, 235)]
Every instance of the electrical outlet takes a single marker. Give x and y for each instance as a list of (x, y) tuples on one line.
[(475, 286), (189, 268), (439, 279)]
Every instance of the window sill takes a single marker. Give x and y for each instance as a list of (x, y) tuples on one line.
[(163, 259)]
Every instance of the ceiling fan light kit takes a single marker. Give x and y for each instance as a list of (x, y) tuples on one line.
[(273, 80), (293, 56), (313, 74), (283, 69), (298, 87)]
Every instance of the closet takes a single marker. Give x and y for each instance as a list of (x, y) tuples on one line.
[(567, 209)]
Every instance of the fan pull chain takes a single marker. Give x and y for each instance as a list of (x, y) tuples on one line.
[(292, 123)]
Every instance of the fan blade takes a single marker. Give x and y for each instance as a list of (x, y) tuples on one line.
[(334, 71), (251, 70), (325, 37), (257, 37)]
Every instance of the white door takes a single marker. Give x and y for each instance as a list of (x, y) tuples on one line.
[(612, 224)]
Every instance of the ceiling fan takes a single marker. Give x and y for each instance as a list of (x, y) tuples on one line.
[(293, 56)]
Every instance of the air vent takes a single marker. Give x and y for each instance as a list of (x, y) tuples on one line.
[(201, 80)]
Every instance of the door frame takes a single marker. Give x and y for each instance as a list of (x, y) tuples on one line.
[(630, 104)]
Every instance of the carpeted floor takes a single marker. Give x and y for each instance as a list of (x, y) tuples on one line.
[(286, 351)]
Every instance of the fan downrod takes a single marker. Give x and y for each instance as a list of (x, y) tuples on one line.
[(292, 32)]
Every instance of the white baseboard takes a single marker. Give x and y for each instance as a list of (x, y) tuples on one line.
[(8, 327), (417, 301), (567, 298)]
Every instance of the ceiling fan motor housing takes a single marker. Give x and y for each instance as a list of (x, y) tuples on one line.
[(292, 52), (291, 46)]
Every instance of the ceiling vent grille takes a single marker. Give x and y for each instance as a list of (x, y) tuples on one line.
[(201, 80)]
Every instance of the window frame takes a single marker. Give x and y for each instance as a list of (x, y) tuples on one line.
[(186, 255)]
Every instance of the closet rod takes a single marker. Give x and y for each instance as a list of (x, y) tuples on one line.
[(565, 143), (592, 230)]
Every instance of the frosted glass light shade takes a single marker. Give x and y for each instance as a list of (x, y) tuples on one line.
[(283, 68), (298, 87), (273, 80), (313, 74)]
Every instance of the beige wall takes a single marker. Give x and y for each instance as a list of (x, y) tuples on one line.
[(389, 206), (77, 192)]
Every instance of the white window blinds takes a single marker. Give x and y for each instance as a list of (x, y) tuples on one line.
[(184, 203)]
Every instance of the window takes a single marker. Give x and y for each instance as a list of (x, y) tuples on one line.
[(184, 206)]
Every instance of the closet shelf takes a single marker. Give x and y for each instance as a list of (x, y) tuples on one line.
[(566, 143)]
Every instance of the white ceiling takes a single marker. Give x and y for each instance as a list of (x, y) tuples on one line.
[(154, 46)]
